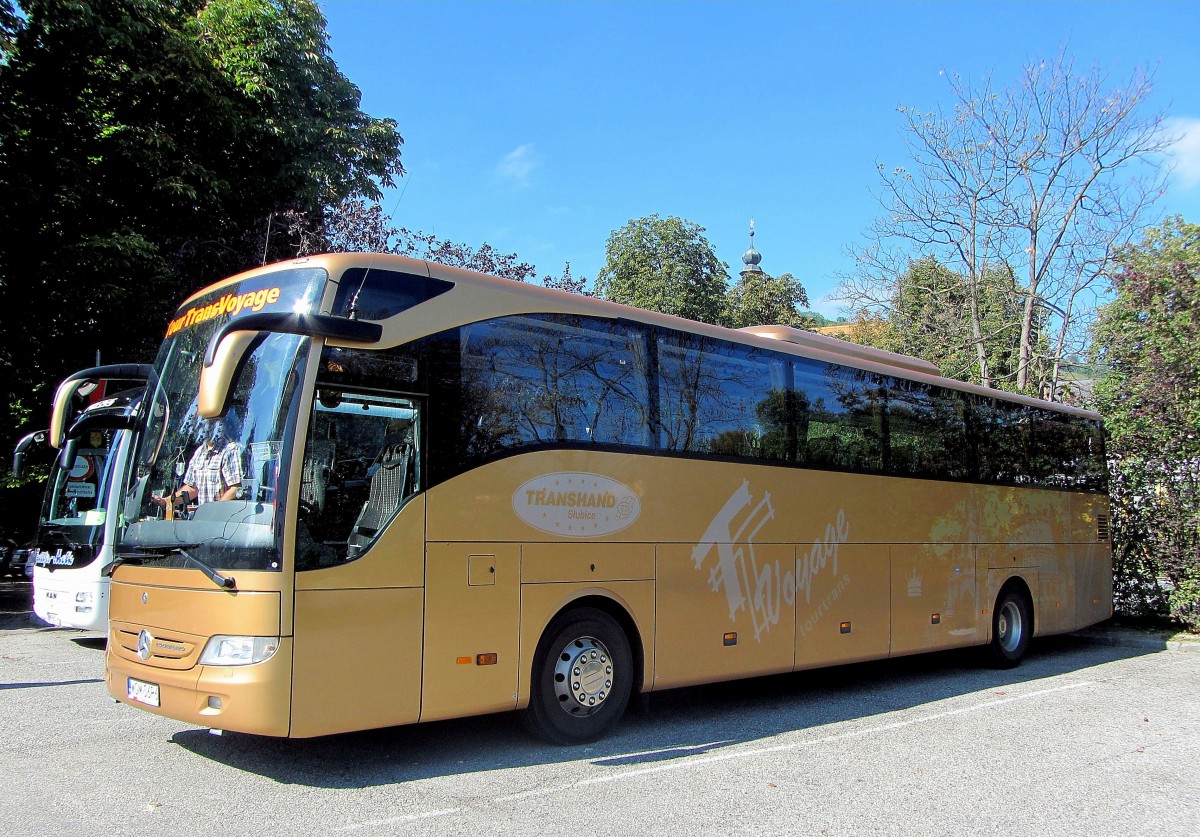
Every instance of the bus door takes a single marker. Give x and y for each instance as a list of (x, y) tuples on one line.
[(359, 552)]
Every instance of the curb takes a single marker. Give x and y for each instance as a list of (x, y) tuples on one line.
[(1132, 641)]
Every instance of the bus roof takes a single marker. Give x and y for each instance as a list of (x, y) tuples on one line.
[(500, 297)]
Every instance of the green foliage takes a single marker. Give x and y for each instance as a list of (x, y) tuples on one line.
[(10, 23), (815, 319), (666, 265), (276, 54), (762, 299), (929, 317), (567, 282), (1149, 336), (145, 144)]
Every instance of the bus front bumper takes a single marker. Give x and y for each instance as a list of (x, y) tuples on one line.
[(253, 699), (82, 605)]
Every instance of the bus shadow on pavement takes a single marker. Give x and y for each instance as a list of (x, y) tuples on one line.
[(675, 724)]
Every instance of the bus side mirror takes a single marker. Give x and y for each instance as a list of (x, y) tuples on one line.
[(216, 379), (36, 437), (229, 346), (72, 384), (66, 459), (63, 396)]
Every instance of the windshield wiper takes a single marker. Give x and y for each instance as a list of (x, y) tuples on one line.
[(224, 581), (134, 558)]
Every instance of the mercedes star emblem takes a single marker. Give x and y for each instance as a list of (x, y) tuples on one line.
[(144, 641)]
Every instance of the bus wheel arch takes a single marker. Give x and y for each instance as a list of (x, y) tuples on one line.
[(1012, 624), (585, 669)]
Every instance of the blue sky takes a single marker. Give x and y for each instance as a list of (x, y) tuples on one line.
[(542, 127)]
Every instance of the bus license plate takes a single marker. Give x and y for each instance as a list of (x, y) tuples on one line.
[(146, 693)]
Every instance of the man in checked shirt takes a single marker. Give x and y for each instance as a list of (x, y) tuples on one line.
[(213, 473)]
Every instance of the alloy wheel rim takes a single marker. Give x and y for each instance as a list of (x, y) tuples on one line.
[(583, 676)]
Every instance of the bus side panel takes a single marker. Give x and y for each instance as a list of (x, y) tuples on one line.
[(1093, 562), (1093, 585), (934, 597), (473, 607), (540, 603), (543, 563), (996, 579), (1056, 594), (743, 589), (357, 653), (843, 608), (358, 633)]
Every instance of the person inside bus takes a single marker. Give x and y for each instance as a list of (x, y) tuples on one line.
[(213, 473)]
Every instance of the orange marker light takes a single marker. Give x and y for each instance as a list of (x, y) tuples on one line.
[(485, 659), (464, 661), (730, 638), (935, 619), (845, 627)]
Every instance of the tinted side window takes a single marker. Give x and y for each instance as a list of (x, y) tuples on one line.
[(552, 380), (840, 422), (926, 432), (1096, 467), (1000, 437), (1066, 452), (721, 398), (523, 382), (376, 294)]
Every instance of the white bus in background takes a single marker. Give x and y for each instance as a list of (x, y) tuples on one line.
[(73, 547)]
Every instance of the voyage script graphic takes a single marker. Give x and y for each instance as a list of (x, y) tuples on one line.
[(576, 504), (761, 588)]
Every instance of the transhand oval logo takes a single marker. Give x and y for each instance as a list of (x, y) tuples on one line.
[(576, 505)]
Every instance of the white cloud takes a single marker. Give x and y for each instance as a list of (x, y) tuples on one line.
[(517, 166), (1185, 152)]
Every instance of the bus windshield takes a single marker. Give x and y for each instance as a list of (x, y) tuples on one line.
[(73, 511), (206, 490)]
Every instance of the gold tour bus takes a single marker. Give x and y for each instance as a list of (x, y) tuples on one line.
[(433, 493)]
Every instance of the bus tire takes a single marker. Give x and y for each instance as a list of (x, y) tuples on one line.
[(582, 678), (1012, 626)]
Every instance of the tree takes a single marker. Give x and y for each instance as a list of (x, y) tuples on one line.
[(567, 282), (929, 317), (315, 143), (665, 265), (1149, 337), (145, 144), (9, 24), (1050, 176), (358, 226), (762, 299)]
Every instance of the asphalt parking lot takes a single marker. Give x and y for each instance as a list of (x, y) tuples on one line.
[(1093, 734)]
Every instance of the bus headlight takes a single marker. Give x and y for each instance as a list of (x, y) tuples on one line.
[(85, 598), (238, 650)]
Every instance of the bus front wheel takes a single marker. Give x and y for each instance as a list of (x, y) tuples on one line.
[(582, 678), (1012, 626)]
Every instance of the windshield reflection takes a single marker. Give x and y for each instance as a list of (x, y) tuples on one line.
[(211, 487)]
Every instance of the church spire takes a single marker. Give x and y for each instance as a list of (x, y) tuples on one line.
[(751, 257)]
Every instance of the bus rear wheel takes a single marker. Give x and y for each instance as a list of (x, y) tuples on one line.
[(1012, 626), (582, 678)]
